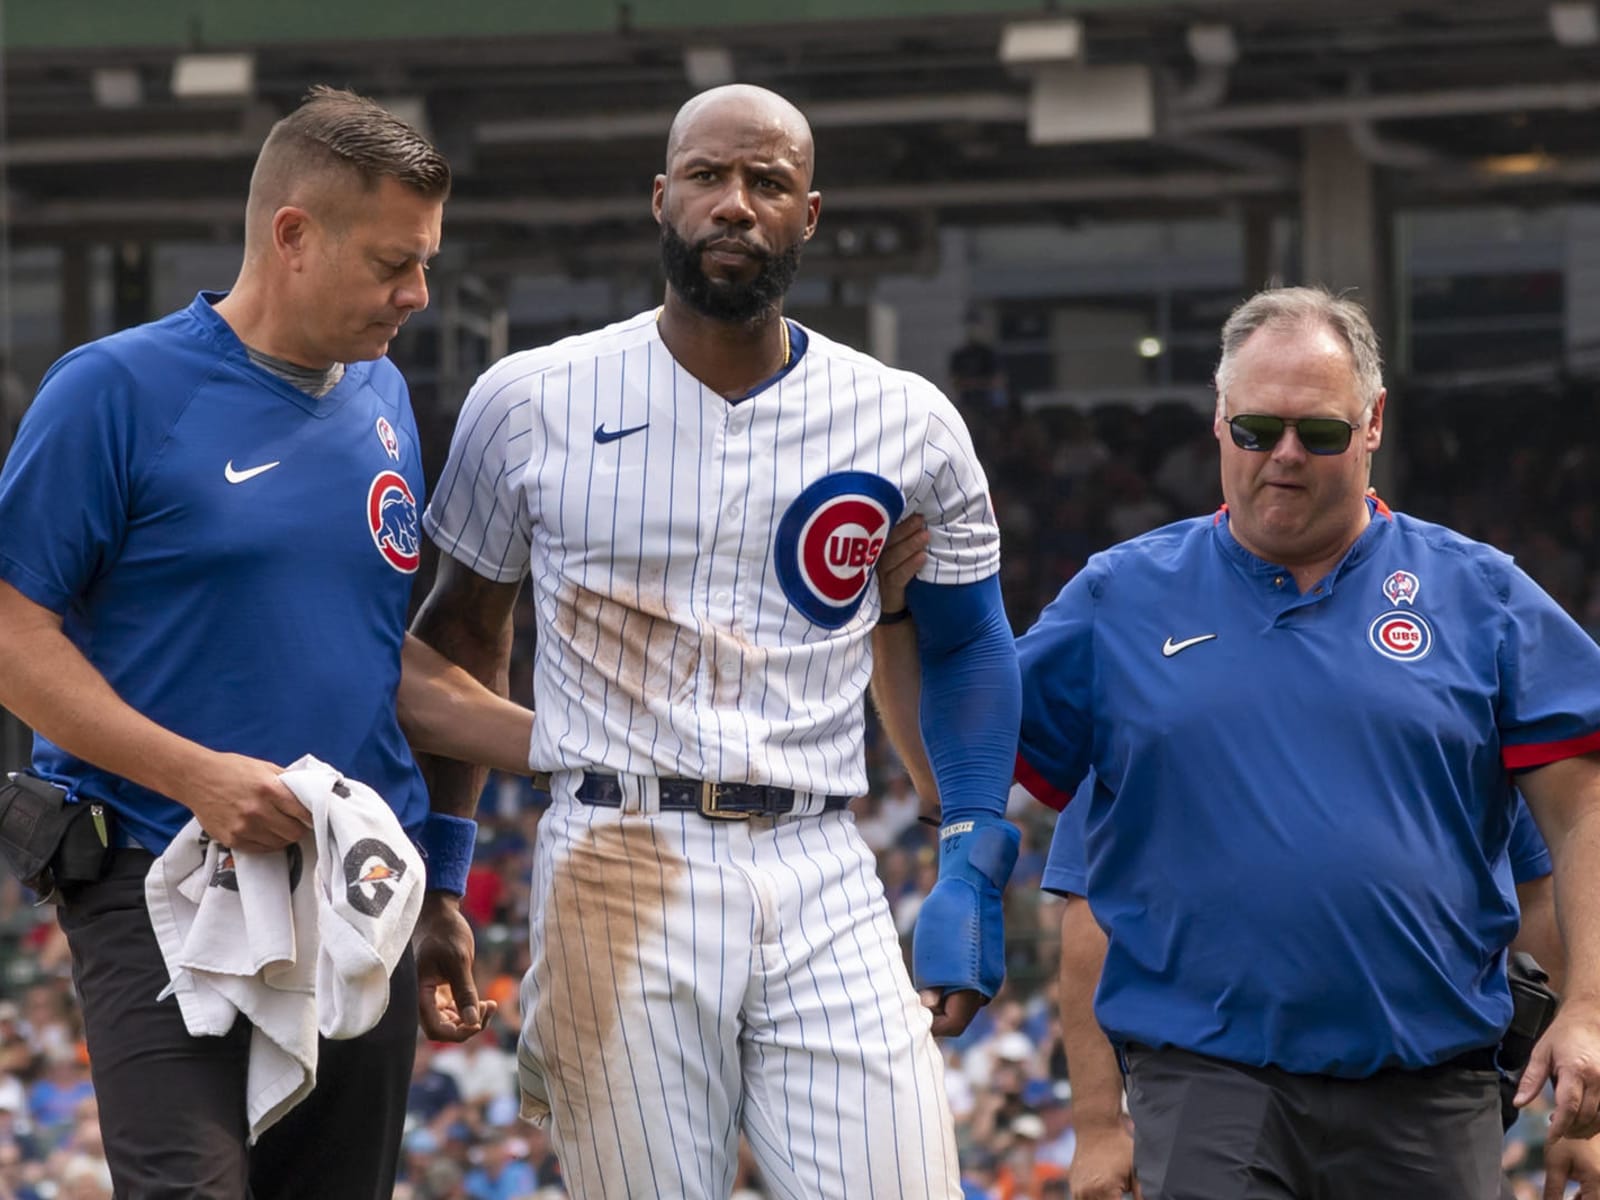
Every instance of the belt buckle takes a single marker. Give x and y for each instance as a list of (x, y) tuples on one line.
[(709, 795)]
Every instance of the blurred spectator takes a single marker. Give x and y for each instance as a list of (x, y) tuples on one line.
[(49, 1017), (1052, 1100), (1076, 453), (16, 1180), (977, 384), (84, 1178), (978, 1175), (14, 1120), (1006, 1044), (1022, 1175), (434, 1093), (890, 814), (1188, 477), (1132, 508), (910, 902), (54, 1099), (442, 1179), (16, 1054), (486, 891), (503, 1173), (482, 1070)]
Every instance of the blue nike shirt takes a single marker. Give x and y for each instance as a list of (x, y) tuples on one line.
[(1298, 837), (234, 556), (1066, 868)]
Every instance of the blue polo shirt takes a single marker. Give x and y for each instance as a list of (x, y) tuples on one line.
[(1066, 868), (1304, 801), (233, 555)]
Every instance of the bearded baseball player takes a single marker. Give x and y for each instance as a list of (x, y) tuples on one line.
[(699, 494)]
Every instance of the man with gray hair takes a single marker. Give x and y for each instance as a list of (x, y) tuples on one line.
[(1307, 716)]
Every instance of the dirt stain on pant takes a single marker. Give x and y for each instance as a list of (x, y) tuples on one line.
[(605, 973)]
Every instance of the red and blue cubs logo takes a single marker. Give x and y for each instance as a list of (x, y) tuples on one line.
[(392, 518), (829, 540), (1402, 636)]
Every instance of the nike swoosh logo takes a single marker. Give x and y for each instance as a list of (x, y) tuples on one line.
[(1170, 647), (233, 476), (603, 435)]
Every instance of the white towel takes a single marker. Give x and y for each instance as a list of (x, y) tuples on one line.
[(242, 934)]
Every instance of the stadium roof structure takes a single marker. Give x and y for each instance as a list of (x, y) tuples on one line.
[(140, 121)]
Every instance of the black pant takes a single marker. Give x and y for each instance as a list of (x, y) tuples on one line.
[(1207, 1129), (172, 1106)]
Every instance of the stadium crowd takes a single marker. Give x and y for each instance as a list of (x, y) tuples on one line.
[(1517, 471)]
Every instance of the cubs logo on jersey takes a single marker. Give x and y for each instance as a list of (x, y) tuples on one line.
[(392, 518), (1402, 636), (829, 540), (391, 444)]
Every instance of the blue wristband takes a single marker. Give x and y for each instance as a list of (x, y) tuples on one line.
[(447, 843)]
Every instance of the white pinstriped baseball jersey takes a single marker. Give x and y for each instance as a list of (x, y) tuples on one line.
[(702, 570)]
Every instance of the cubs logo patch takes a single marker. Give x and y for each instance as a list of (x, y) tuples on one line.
[(371, 869), (829, 540), (392, 518), (1402, 636), (1402, 588), (391, 444)]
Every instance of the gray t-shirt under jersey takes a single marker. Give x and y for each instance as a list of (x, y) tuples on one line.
[(312, 381)]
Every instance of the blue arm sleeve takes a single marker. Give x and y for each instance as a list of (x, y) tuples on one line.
[(971, 693)]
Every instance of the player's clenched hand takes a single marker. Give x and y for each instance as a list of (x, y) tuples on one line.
[(1567, 1160), (1102, 1164), (242, 804), (900, 559), (958, 949), (952, 1010), (1569, 1055), (447, 998)]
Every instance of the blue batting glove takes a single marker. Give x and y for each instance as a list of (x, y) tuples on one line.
[(960, 941)]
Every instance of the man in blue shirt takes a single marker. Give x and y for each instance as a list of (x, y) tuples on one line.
[(208, 529), (1304, 715), (1102, 1168)]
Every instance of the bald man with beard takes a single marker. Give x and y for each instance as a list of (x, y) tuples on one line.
[(698, 494)]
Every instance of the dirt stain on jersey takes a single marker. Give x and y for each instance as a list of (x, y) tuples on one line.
[(632, 640)]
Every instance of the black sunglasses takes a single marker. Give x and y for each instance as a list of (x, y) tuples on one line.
[(1319, 435)]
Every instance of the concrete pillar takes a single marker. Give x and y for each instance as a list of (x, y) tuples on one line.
[(131, 285), (75, 301), (1582, 293), (1344, 245), (1261, 266)]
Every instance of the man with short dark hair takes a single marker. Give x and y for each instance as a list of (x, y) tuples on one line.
[(208, 529)]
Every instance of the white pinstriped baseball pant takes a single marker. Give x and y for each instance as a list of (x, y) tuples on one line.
[(691, 978)]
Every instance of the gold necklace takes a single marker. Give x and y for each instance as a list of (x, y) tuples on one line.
[(783, 326)]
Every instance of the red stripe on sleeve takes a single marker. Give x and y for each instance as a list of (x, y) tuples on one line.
[(1040, 788), (1538, 754)]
